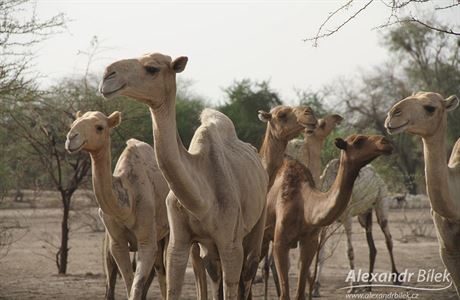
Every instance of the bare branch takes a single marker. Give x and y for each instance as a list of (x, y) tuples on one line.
[(320, 35)]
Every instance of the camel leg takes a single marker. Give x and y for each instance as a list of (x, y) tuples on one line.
[(199, 271), (159, 265), (144, 264), (281, 256), (366, 221), (382, 219), (213, 267), (308, 246), (316, 288), (252, 245), (176, 260), (110, 268), (231, 257), (120, 252), (348, 226)]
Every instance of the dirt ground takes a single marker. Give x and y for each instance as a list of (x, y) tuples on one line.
[(28, 270)]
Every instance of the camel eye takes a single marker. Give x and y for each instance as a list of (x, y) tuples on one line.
[(429, 109), (151, 69), (282, 116), (99, 128), (359, 142)]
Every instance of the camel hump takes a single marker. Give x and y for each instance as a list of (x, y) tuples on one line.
[(211, 117), (136, 156), (455, 156)]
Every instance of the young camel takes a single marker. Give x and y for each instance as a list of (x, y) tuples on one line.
[(131, 201), (308, 152), (369, 193), (425, 114), (218, 186), (296, 209)]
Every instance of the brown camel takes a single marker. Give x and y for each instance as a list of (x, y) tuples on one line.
[(425, 114), (218, 186), (131, 201), (296, 209)]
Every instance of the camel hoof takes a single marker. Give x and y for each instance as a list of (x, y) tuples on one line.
[(315, 293)]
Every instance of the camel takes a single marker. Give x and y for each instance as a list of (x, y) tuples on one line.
[(425, 114), (131, 201), (218, 186), (296, 209), (308, 150), (283, 124), (369, 193)]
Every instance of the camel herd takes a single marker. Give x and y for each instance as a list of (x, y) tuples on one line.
[(221, 202)]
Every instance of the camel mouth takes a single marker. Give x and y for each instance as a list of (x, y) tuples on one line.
[(75, 150), (110, 94), (387, 150), (397, 129)]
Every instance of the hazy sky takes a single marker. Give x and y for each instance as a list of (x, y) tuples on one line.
[(224, 40)]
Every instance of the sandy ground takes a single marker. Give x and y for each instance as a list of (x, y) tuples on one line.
[(28, 270)]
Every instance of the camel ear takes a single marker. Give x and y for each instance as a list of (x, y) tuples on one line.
[(338, 118), (178, 65), (451, 102), (341, 144), (264, 116), (78, 114), (114, 119)]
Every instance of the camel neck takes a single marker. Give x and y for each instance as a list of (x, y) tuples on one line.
[(101, 166), (175, 162), (310, 156), (331, 204), (272, 154), (437, 174)]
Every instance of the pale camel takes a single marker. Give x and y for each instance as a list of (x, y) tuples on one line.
[(296, 209), (218, 186), (284, 123), (425, 114), (131, 201)]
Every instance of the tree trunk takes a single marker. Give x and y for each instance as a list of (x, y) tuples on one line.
[(63, 253)]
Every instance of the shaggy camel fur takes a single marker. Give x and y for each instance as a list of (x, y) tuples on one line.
[(218, 186), (131, 201), (296, 209), (425, 114)]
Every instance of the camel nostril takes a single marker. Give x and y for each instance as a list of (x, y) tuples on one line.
[(110, 75), (71, 137)]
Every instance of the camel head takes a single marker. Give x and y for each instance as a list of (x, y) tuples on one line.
[(286, 123), (421, 114), (148, 79), (91, 131), (326, 125), (362, 149)]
